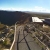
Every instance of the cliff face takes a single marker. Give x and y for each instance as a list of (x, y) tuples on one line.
[(10, 17)]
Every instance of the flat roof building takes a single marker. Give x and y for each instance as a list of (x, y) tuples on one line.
[(36, 19)]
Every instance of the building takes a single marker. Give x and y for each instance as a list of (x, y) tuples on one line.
[(47, 21), (36, 20)]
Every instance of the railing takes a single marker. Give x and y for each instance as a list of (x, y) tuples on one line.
[(14, 39), (12, 45), (39, 41)]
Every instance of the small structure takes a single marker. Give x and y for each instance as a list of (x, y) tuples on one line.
[(36, 20)]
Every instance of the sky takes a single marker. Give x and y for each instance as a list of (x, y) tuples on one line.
[(25, 5)]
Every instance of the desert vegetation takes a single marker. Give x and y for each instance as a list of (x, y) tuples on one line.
[(6, 36)]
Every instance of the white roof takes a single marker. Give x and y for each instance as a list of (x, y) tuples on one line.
[(36, 19)]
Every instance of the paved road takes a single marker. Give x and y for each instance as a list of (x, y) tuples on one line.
[(22, 41)]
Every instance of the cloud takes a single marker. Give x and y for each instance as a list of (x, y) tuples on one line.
[(16, 9), (34, 9), (40, 9)]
